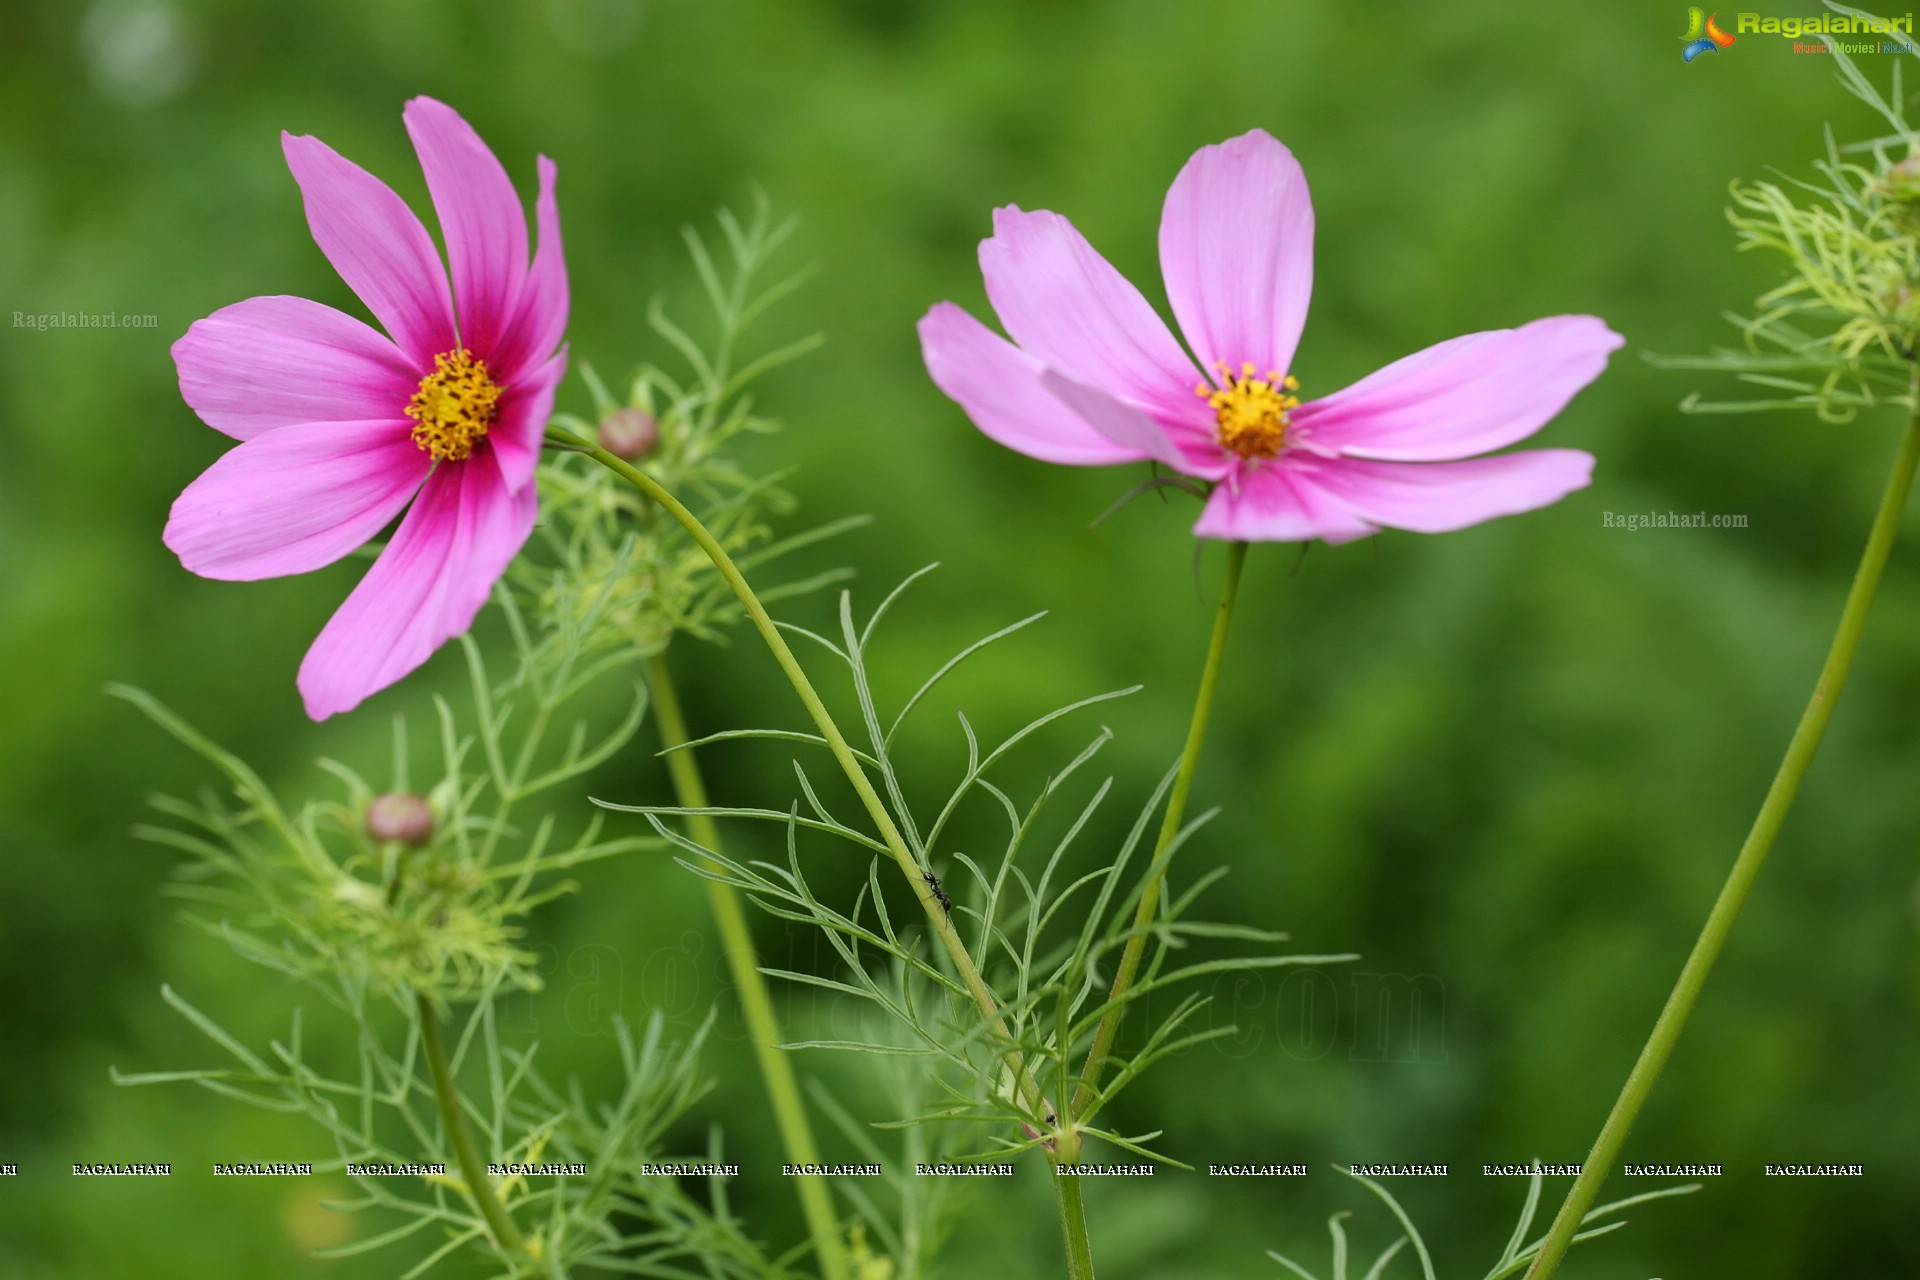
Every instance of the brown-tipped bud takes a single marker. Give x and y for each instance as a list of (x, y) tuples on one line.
[(400, 817), (1902, 181), (631, 434)]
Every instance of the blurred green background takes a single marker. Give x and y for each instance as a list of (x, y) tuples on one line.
[(1510, 765)]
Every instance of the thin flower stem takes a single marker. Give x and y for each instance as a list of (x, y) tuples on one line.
[(473, 1170), (1067, 1142), (1773, 813), (1109, 1028), (1073, 1224), (823, 720), (763, 1028)]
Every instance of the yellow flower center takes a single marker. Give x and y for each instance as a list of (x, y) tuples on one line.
[(454, 406), (1250, 414)]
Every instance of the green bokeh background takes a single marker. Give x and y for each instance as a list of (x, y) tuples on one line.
[(1512, 762)]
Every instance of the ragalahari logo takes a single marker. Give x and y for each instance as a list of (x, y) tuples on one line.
[(1703, 34)]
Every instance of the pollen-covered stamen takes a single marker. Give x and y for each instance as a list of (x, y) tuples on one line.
[(454, 406), (1250, 414)]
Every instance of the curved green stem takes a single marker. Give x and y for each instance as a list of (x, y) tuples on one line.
[(1028, 1089), (756, 1005), (473, 1170), (1073, 1224), (1176, 813), (1773, 812), (823, 720)]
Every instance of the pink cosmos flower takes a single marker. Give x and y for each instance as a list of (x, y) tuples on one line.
[(1094, 377), (341, 427)]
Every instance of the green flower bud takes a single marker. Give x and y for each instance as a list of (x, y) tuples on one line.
[(1903, 180)]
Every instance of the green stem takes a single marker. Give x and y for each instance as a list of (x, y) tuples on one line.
[(1028, 1089), (823, 720), (1773, 812), (789, 1114), (1109, 1028), (1073, 1224), (473, 1170)]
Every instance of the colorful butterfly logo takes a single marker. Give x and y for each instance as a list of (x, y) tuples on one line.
[(1703, 34)]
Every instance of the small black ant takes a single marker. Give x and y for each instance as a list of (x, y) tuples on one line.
[(939, 894)]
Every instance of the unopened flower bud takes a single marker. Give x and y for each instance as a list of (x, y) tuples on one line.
[(1047, 1142), (631, 434), (400, 817), (1901, 186)]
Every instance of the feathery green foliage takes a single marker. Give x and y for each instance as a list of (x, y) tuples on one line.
[(604, 550), (1043, 936), (1515, 1258), (370, 925), (1839, 334)]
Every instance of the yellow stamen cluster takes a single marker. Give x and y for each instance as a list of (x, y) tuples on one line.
[(1251, 413), (454, 406)]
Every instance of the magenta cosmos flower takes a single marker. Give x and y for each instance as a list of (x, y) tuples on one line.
[(341, 427), (1094, 377)]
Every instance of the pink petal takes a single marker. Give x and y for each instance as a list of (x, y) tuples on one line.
[(277, 361), (481, 219), (999, 386), (541, 315), (520, 430), (377, 245), (1438, 497), (295, 498), (1278, 501), (1065, 304), (1129, 428), (424, 589), (1464, 396), (1236, 250)]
